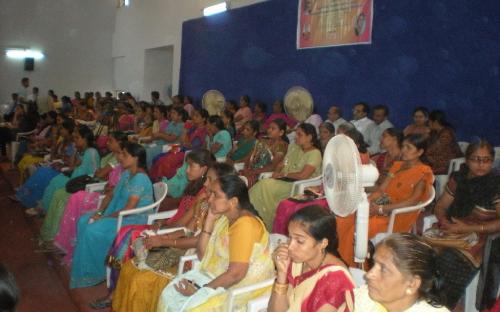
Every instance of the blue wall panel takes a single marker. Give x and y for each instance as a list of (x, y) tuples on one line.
[(441, 54)]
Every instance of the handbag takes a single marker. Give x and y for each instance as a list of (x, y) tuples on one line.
[(158, 259), (438, 238), (79, 183)]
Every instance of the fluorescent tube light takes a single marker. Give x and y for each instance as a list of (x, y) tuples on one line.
[(214, 9), (21, 54)]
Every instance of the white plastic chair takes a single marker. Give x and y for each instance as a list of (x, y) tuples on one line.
[(221, 159), (160, 191), (442, 179), (358, 276), (299, 186), (95, 187), (239, 166), (394, 213)]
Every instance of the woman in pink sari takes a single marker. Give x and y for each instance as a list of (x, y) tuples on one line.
[(82, 201)]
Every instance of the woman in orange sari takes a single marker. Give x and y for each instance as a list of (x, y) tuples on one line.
[(407, 184)]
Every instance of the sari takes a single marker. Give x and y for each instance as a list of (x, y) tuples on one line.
[(363, 302), (267, 193), (121, 250), (329, 284), (399, 189), (55, 195), (442, 148), (177, 184), (474, 202), (244, 147), (138, 288), (94, 239), (78, 204), (244, 112), (167, 164), (126, 122), (155, 148), (246, 240), (262, 155)]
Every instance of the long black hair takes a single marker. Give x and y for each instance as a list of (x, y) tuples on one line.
[(320, 224), (413, 256), (137, 150), (311, 130), (233, 186), (203, 158), (87, 135), (397, 134), (420, 142), (216, 121)]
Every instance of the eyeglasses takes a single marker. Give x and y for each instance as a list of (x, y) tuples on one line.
[(478, 159)]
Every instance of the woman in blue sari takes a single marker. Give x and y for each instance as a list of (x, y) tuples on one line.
[(172, 134), (97, 230)]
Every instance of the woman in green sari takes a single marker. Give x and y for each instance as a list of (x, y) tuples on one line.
[(242, 151), (302, 161)]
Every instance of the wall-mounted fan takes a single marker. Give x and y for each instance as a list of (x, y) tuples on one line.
[(213, 101), (298, 103)]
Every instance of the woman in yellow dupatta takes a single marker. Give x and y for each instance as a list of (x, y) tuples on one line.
[(234, 250), (311, 275)]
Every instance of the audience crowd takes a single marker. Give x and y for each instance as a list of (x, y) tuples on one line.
[(225, 208)]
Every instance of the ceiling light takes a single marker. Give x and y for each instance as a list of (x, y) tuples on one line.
[(21, 54)]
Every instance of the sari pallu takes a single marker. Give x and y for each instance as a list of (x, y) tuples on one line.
[(214, 263), (78, 204), (330, 284)]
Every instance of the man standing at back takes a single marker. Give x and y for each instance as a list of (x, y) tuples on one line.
[(335, 117), (381, 123), (360, 119)]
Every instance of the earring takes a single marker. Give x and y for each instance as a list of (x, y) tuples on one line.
[(408, 291)]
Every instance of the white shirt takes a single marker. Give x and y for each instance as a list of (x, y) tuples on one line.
[(314, 120), (337, 123), (363, 125), (375, 132)]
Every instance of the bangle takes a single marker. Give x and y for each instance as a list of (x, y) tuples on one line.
[(280, 289), (206, 232)]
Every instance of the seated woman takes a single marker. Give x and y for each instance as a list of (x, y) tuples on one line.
[(311, 275), (84, 162), (139, 289), (302, 161), (443, 145), (228, 120), (243, 114), (172, 134), (470, 204), (267, 153), (279, 113), (42, 140), (126, 119), (81, 202), (407, 184), (259, 114), (143, 124), (96, 230), (403, 278), (234, 251), (390, 142), (289, 206), (241, 152), (326, 132), (160, 116), (419, 125), (218, 140), (193, 137)]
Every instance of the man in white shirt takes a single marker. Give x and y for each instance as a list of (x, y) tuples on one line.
[(381, 123), (361, 120), (24, 91), (335, 117)]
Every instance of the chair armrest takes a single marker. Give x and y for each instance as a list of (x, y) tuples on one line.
[(246, 289), (161, 215), (99, 200), (184, 259), (129, 212), (299, 186), (258, 304), (265, 175), (95, 187), (239, 166)]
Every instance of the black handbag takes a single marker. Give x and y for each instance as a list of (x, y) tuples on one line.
[(78, 184)]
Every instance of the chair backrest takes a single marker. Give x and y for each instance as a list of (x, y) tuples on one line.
[(160, 190), (244, 179), (455, 164), (418, 207), (358, 276), (463, 146)]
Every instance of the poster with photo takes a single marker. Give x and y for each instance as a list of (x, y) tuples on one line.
[(326, 23)]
